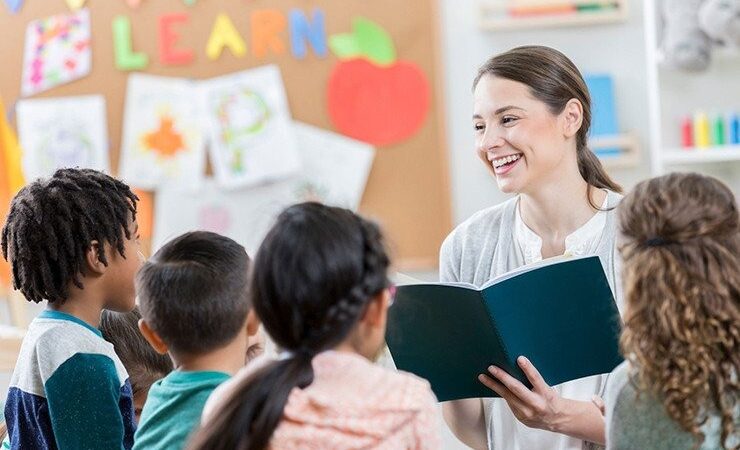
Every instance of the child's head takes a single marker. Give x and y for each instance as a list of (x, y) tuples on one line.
[(319, 282), (193, 295), (681, 248), (74, 230), (317, 272), (143, 364)]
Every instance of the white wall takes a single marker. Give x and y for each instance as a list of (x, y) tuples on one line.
[(616, 49)]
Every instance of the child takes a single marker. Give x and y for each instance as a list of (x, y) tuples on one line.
[(71, 240), (194, 306), (320, 287), (681, 249), (143, 364)]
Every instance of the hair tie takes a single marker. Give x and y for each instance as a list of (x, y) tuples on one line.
[(658, 242), (298, 353)]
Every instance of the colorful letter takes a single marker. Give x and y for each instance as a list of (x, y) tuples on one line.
[(224, 34), (301, 31), (267, 24), (126, 58), (168, 54)]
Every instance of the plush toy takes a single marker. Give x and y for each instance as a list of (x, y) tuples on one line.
[(692, 27), (720, 20)]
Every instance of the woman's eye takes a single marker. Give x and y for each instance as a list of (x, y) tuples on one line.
[(508, 120), (479, 127)]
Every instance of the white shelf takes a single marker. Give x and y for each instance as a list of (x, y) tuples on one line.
[(708, 155), (493, 15), (628, 142)]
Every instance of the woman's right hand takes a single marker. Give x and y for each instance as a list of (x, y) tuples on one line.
[(599, 402)]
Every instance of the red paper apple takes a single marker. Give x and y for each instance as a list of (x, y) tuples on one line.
[(372, 96)]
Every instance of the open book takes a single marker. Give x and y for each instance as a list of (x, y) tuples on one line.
[(559, 313)]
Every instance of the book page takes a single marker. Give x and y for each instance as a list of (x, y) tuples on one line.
[(533, 266), (401, 279)]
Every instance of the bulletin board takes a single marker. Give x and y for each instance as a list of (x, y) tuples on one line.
[(408, 189)]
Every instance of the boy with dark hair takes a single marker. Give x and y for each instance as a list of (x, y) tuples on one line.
[(194, 306), (71, 240)]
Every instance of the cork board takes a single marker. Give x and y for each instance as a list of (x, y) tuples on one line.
[(408, 189)]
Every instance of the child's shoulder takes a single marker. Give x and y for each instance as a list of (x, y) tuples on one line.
[(409, 390), (372, 383), (53, 342)]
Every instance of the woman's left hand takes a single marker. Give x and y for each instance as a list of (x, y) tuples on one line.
[(539, 407)]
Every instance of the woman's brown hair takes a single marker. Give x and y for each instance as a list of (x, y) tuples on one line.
[(553, 79), (681, 248)]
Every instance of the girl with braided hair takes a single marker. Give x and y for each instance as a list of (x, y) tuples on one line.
[(320, 287), (678, 388)]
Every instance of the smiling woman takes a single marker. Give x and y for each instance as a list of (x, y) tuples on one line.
[(531, 117)]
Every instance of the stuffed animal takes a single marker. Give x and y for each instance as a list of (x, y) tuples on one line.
[(692, 27), (720, 20)]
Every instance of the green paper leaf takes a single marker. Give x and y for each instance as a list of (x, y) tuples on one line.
[(344, 46), (374, 42), (368, 40)]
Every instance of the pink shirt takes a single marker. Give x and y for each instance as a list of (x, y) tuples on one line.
[(351, 404)]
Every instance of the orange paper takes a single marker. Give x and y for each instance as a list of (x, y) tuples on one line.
[(267, 27), (11, 154), (4, 206), (168, 38), (145, 213), (11, 181)]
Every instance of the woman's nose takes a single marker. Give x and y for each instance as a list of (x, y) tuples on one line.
[(491, 139)]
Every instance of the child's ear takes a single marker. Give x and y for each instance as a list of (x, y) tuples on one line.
[(253, 323), (377, 310), (152, 337), (92, 259)]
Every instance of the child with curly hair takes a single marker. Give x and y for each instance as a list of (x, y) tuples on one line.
[(678, 388)]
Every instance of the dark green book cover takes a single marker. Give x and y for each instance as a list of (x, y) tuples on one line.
[(560, 314)]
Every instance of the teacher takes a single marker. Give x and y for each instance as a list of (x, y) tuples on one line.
[(531, 117)]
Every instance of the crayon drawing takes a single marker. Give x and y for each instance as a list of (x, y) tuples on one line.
[(57, 50), (162, 138), (335, 167), (251, 140), (62, 132), (244, 215)]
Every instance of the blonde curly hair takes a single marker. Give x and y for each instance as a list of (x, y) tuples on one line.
[(680, 244)]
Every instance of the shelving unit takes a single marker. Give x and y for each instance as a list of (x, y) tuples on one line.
[(724, 153), (495, 14), (627, 142), (673, 94)]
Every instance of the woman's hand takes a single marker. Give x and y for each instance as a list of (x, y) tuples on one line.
[(542, 407)]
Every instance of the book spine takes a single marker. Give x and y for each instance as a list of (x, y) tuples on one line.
[(501, 343)]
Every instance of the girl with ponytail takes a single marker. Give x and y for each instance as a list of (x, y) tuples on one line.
[(320, 287), (678, 388)]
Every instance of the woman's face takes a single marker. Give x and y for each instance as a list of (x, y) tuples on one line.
[(516, 136)]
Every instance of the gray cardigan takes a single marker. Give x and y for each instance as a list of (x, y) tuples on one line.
[(480, 249)]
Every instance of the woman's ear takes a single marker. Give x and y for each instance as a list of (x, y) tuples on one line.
[(92, 259), (573, 117), (152, 337)]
